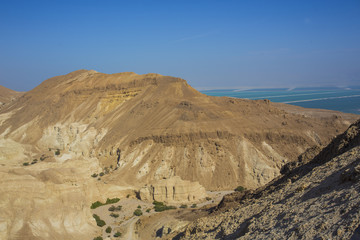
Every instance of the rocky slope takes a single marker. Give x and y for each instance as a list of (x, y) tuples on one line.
[(7, 95), (318, 199)]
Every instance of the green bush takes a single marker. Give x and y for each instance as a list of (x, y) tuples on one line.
[(99, 222), (118, 208), (240, 189), (114, 215), (183, 206), (108, 229), (98, 238), (139, 206), (57, 152), (112, 208), (26, 164), (94, 175), (96, 204), (160, 206), (42, 158), (112, 200), (127, 196), (193, 206), (117, 234), (137, 212), (108, 201), (101, 174), (208, 198), (148, 210)]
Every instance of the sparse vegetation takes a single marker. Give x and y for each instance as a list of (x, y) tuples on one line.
[(139, 206), (108, 229), (193, 206), (99, 221), (108, 201), (94, 175), (101, 174), (183, 206), (117, 234), (160, 206), (208, 198), (42, 158), (57, 152), (98, 238), (137, 212), (114, 215), (26, 164), (127, 196), (148, 210), (240, 189)]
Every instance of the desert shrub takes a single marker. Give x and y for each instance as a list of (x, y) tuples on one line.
[(108, 229), (117, 234), (26, 164), (112, 208), (98, 238), (101, 174), (94, 175), (114, 215), (137, 212), (183, 206), (240, 189), (99, 221), (193, 206), (96, 204), (57, 152), (42, 158), (208, 198), (108, 201), (49, 149), (148, 210), (127, 196), (160, 206), (118, 208), (112, 200), (35, 160), (139, 206), (111, 166)]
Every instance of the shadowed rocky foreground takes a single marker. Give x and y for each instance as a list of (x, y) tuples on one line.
[(317, 199)]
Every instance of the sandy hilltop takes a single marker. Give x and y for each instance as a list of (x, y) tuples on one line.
[(88, 136)]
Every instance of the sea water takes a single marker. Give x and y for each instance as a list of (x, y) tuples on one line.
[(339, 99)]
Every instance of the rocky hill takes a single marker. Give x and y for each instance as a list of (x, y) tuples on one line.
[(7, 95), (88, 136), (318, 199), (154, 127)]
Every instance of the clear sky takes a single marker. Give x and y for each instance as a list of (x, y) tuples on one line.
[(209, 43)]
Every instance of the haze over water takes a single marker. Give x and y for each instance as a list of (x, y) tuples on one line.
[(339, 99)]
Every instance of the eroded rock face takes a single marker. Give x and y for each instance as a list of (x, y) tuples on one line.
[(173, 190)]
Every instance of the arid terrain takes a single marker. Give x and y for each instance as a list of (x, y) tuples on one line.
[(88, 136)]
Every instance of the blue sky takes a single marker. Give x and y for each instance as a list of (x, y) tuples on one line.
[(209, 43)]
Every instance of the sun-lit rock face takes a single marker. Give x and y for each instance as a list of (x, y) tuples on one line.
[(173, 190)]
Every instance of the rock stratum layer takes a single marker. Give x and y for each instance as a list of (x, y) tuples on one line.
[(173, 190), (135, 129)]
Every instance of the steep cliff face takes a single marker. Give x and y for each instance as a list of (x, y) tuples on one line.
[(173, 190), (319, 199)]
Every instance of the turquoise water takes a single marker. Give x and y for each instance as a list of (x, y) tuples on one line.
[(344, 100)]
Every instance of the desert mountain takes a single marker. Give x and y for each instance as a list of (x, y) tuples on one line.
[(88, 136), (7, 95), (318, 199), (154, 127)]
